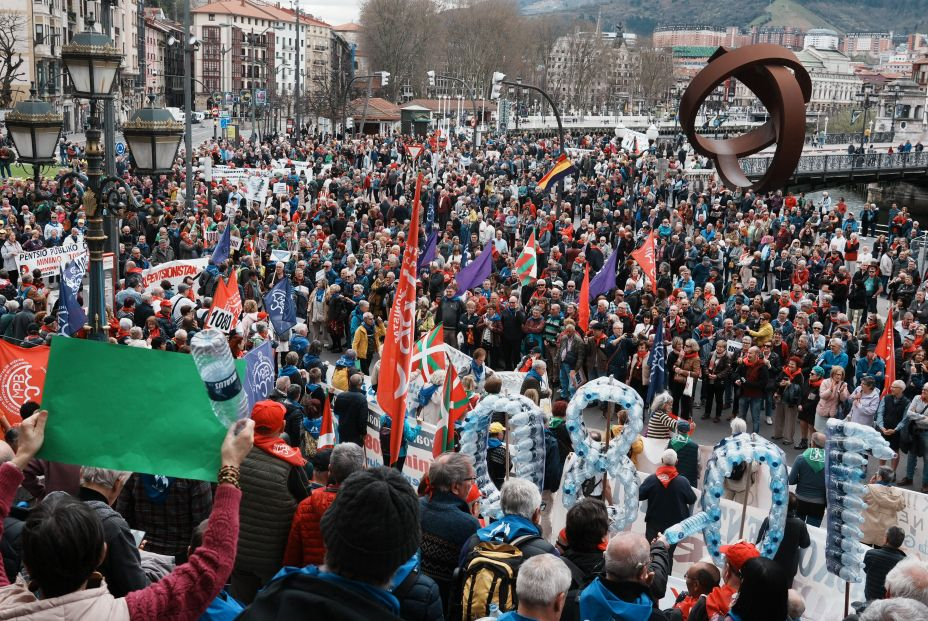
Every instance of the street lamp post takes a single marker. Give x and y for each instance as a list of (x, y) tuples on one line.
[(892, 129), (92, 62), (383, 75), (863, 98)]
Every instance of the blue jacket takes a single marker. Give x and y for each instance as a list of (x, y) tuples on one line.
[(599, 603), (223, 608), (418, 596), (877, 369), (829, 360)]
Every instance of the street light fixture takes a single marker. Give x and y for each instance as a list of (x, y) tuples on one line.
[(863, 99), (154, 138), (35, 127), (92, 62)]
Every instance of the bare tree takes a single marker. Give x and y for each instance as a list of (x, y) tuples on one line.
[(397, 36), (655, 73), (11, 61)]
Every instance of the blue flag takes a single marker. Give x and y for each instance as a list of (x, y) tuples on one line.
[(223, 248), (430, 212), (428, 255), (259, 373), (71, 317), (657, 360), (278, 303), (604, 281)]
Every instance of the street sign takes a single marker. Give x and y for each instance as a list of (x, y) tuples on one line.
[(414, 150), (245, 96), (120, 148), (229, 98), (224, 114), (217, 97), (261, 97), (215, 112), (224, 122)]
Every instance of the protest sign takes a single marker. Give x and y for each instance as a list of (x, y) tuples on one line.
[(22, 377), (281, 256), (418, 452), (173, 271), (235, 241), (49, 260), (126, 426), (280, 188), (733, 348)]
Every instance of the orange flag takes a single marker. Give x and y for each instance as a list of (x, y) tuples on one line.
[(583, 312), (886, 349), (227, 305), (329, 429), (396, 356), (644, 256)]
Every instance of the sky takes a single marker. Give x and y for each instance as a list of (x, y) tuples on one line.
[(334, 12)]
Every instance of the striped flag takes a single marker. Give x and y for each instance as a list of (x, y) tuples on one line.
[(527, 263), (328, 432), (562, 168), (455, 404)]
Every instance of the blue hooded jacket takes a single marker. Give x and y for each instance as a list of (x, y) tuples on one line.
[(597, 603)]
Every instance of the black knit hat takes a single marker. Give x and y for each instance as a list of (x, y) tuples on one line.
[(373, 526)]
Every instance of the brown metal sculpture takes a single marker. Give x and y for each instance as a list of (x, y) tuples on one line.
[(778, 79)]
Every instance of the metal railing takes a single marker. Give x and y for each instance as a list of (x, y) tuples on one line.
[(824, 165)]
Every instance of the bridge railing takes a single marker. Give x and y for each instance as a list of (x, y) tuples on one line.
[(822, 165)]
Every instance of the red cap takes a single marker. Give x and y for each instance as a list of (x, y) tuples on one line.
[(738, 553), (269, 415)]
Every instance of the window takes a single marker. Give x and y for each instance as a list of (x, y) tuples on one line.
[(211, 17), (39, 34)]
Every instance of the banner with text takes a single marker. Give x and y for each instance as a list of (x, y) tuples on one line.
[(173, 271), (49, 260)]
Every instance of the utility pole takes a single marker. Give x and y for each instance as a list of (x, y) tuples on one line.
[(296, 76), (110, 225), (188, 107)]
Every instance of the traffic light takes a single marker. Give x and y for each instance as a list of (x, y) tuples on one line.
[(431, 75), (497, 84), (384, 78)]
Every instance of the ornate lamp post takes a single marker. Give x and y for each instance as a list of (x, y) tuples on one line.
[(92, 62), (35, 127), (153, 137)]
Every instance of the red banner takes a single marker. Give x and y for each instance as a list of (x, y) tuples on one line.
[(396, 357), (644, 256), (583, 307), (227, 305), (886, 349), (22, 378)]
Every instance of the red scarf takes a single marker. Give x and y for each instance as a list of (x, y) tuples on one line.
[(691, 355), (814, 383), (791, 374), (719, 600), (666, 474), (275, 447), (686, 605)]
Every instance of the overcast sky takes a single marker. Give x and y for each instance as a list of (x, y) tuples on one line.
[(334, 12)]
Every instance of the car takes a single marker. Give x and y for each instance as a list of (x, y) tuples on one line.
[(197, 117), (177, 114)]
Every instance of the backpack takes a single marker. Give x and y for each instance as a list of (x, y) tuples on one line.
[(792, 394), (738, 470), (490, 577), (208, 283)]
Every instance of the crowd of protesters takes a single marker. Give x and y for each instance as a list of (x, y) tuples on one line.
[(772, 308)]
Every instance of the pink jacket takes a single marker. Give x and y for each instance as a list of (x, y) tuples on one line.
[(183, 595), (829, 397)]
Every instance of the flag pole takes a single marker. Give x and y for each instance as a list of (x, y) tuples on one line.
[(744, 501), (506, 423), (847, 598)]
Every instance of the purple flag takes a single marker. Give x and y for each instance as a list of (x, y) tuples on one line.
[(428, 255), (604, 281), (476, 271)]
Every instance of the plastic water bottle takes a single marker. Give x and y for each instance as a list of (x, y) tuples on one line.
[(214, 361), (495, 612)]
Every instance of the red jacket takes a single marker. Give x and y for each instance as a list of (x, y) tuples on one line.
[(305, 545)]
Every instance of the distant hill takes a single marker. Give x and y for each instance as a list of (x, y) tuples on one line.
[(641, 16)]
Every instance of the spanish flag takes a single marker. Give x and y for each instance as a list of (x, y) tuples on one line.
[(562, 168)]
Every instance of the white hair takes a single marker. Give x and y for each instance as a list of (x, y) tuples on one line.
[(909, 578), (660, 401), (626, 555), (895, 609), (541, 579), (669, 457), (520, 497), (738, 425), (125, 323), (103, 476)]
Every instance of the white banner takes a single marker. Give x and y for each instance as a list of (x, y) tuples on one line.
[(173, 271), (281, 256), (221, 319), (280, 188), (49, 260)]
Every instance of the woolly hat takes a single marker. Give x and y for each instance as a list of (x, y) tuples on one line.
[(373, 526)]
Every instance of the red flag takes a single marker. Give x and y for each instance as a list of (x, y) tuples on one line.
[(886, 349), (396, 356), (328, 430), (455, 404), (644, 256), (22, 378), (227, 305), (583, 311)]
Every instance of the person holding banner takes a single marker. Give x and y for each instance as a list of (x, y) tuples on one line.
[(63, 545)]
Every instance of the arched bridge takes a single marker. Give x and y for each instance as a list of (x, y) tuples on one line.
[(816, 170)]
